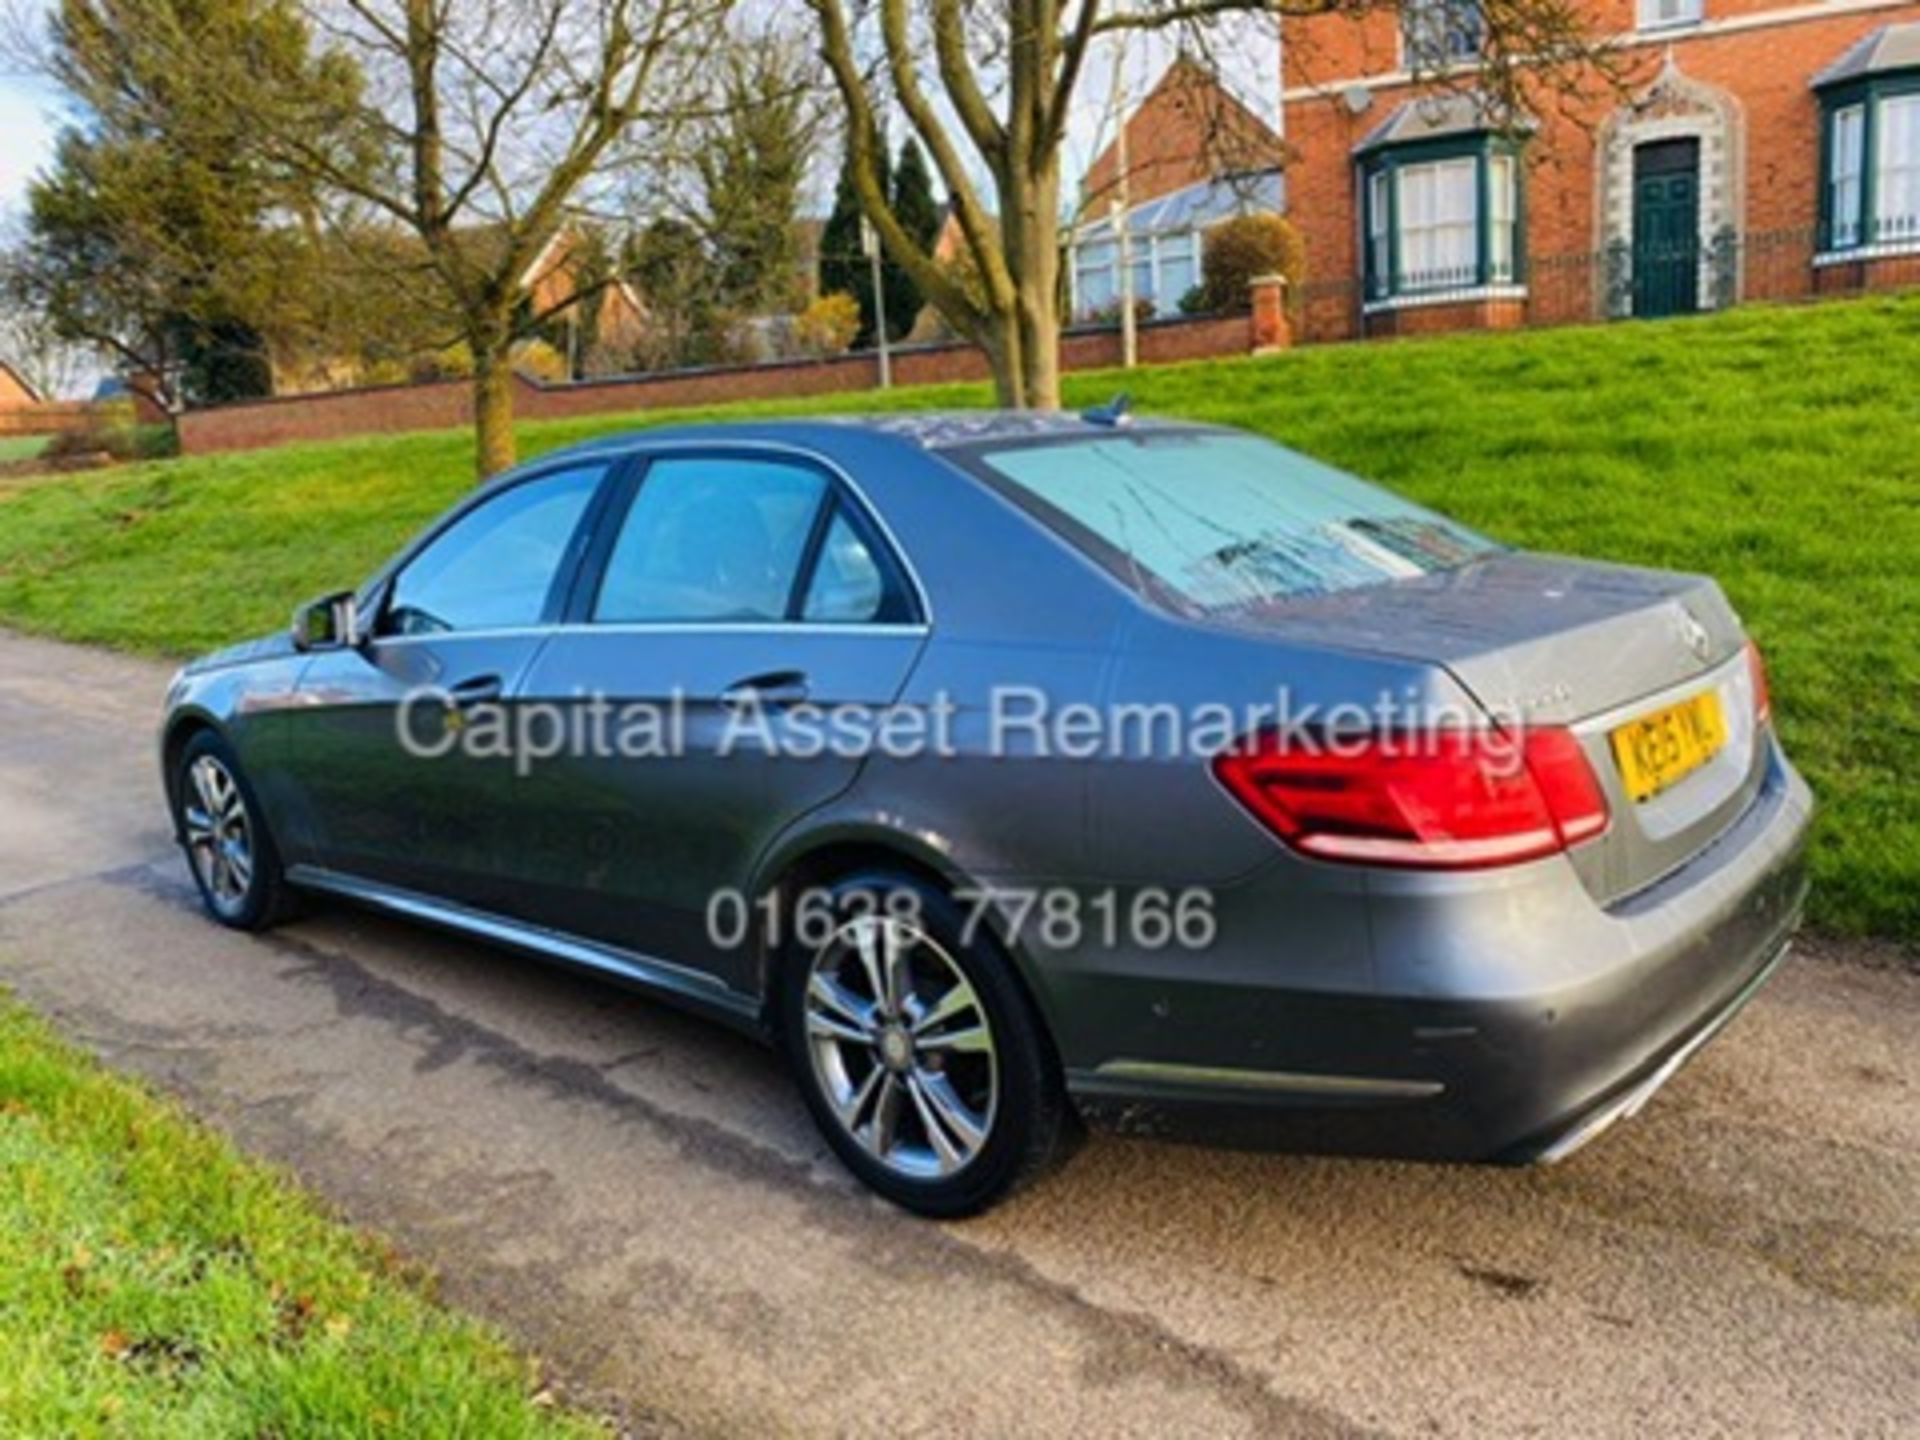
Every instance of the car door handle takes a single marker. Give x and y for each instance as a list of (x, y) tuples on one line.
[(776, 687), (480, 690)]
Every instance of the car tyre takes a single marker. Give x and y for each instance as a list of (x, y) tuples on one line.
[(917, 1048), (222, 828)]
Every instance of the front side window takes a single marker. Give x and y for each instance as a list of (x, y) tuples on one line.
[(1663, 14), (1439, 33), (494, 567), (1441, 222), (1211, 523), (1870, 192), (711, 540)]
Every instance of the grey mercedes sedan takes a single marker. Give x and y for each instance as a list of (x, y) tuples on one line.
[(1010, 770)]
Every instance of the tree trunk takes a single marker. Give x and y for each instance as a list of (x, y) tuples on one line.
[(1040, 324), (1005, 361), (492, 409), (1030, 234)]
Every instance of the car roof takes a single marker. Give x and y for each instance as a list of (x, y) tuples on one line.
[(934, 431)]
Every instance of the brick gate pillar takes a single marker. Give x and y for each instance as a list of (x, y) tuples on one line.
[(1270, 328)]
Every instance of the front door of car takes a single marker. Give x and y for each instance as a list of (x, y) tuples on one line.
[(380, 743), (732, 603)]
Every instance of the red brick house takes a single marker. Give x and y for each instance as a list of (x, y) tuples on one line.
[(1764, 149), (25, 411), (16, 393), (1195, 154)]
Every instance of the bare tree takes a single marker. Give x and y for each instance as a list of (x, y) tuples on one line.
[(30, 342), (989, 86), (480, 126)]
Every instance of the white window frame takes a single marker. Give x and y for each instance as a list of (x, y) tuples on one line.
[(1379, 259), (1669, 14), (1149, 253), (1444, 224), (1430, 30), (1503, 194), (1891, 166), (1846, 173), (1109, 266)]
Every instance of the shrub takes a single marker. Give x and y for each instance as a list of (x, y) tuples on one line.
[(455, 362), (827, 326), (1240, 250), (1109, 313), (112, 429), (538, 359)]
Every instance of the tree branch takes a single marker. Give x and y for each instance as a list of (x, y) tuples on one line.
[(948, 296), (963, 86)]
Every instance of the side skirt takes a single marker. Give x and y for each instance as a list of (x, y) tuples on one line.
[(677, 984)]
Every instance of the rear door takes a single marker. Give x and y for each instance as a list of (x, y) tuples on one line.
[(733, 602), (375, 750)]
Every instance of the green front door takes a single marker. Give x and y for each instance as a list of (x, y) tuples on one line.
[(1666, 228)]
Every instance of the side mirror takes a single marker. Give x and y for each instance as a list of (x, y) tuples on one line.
[(329, 623)]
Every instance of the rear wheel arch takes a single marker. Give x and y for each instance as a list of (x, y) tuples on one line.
[(833, 860), (998, 1126)]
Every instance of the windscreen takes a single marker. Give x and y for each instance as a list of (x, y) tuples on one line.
[(1218, 522)]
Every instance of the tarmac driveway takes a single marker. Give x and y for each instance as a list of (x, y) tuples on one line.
[(640, 1197)]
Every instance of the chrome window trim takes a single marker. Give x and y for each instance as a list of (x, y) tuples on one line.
[(378, 587), (641, 449), (662, 627)]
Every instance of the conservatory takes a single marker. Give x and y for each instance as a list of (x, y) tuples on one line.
[(1166, 237)]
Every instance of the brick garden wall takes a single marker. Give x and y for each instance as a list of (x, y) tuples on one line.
[(445, 404), (50, 417)]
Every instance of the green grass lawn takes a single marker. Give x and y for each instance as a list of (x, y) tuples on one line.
[(152, 1282), (1778, 449), (21, 447)]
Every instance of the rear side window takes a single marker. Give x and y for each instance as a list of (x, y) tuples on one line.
[(712, 540), (847, 586), (494, 567), (1215, 522)]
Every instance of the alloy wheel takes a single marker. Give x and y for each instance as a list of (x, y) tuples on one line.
[(902, 1047), (219, 834)]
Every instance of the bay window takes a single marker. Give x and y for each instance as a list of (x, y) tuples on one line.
[(1870, 166), (1897, 169), (1441, 218)]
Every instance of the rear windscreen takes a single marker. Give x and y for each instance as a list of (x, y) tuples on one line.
[(1218, 522)]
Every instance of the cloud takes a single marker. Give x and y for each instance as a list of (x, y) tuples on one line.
[(28, 124)]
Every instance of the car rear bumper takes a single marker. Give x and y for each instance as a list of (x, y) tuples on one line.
[(1507, 1026)]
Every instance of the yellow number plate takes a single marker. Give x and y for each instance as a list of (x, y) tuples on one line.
[(1663, 748)]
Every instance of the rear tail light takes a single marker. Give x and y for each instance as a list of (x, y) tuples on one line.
[(1449, 800), (1762, 695)]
